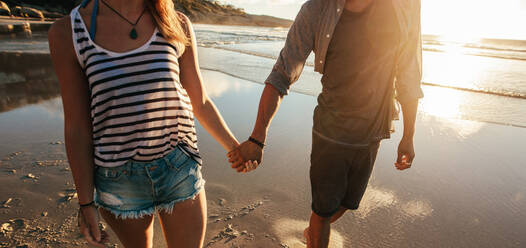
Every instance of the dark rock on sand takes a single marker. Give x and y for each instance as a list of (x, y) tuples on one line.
[(30, 176), (4, 9), (17, 11), (31, 12), (51, 14), (6, 203)]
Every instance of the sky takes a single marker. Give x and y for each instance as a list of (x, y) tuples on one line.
[(460, 19)]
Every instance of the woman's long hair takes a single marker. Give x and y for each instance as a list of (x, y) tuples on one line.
[(169, 22)]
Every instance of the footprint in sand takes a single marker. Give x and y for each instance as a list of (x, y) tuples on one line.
[(290, 232)]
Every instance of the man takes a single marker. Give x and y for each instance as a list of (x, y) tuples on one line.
[(369, 52)]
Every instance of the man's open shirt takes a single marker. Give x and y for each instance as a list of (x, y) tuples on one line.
[(313, 29)]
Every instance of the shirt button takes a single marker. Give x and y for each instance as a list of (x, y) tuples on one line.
[(338, 10), (321, 61), (328, 35)]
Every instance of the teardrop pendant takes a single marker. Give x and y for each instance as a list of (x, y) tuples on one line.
[(133, 34)]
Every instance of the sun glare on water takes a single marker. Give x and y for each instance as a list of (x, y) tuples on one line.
[(468, 20)]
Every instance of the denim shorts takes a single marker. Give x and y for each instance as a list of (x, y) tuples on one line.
[(136, 189)]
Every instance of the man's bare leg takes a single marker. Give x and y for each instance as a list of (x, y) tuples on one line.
[(319, 237)]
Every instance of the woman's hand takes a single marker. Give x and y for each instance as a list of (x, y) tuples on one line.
[(88, 219)]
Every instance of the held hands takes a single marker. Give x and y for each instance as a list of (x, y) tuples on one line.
[(88, 220), (406, 154), (246, 157)]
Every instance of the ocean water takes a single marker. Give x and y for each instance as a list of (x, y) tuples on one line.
[(467, 188), (488, 65), (483, 80)]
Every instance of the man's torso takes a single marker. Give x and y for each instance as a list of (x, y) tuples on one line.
[(358, 76)]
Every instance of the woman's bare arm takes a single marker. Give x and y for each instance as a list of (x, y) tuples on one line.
[(204, 109), (77, 120)]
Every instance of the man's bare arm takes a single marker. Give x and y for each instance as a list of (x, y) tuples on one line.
[(286, 71), (268, 106), (409, 110), (406, 152)]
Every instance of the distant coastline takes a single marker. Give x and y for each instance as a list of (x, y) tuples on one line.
[(199, 11)]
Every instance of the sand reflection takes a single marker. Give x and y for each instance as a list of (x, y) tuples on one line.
[(518, 197), (442, 102), (446, 108), (417, 208), (220, 85), (53, 107), (374, 198), (461, 129), (290, 232)]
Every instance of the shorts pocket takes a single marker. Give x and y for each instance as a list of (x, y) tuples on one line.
[(179, 160), (113, 174)]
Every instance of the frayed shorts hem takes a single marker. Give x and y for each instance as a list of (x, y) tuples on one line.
[(138, 214), (168, 207)]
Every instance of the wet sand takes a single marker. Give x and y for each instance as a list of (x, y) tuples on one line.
[(466, 189)]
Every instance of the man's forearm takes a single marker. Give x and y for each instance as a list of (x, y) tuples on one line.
[(268, 106), (409, 109)]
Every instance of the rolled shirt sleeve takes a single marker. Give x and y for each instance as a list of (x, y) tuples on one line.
[(298, 46), (409, 63)]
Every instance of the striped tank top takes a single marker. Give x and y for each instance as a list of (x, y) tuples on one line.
[(139, 109)]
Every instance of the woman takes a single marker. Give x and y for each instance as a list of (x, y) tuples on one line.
[(131, 86)]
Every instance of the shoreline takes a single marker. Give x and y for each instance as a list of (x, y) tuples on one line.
[(454, 195), (42, 61), (25, 26)]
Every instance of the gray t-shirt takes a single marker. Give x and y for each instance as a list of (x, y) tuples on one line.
[(355, 106)]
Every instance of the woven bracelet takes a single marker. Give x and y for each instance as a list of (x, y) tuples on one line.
[(255, 141), (87, 204)]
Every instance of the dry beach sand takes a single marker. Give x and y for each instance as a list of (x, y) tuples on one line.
[(466, 189)]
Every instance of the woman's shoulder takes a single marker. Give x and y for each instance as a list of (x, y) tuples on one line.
[(186, 23), (185, 20), (61, 40), (60, 29)]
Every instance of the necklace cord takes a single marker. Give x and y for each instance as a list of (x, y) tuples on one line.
[(121, 16)]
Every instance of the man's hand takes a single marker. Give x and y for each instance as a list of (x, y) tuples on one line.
[(246, 157), (406, 154)]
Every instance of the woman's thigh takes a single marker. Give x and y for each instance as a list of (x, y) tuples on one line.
[(185, 226), (133, 233)]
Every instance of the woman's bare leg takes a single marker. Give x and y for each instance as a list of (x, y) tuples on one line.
[(133, 233), (185, 226)]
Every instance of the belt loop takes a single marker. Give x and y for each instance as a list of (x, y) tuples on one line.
[(130, 168)]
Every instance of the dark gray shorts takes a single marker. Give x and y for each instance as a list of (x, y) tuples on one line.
[(339, 175)]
